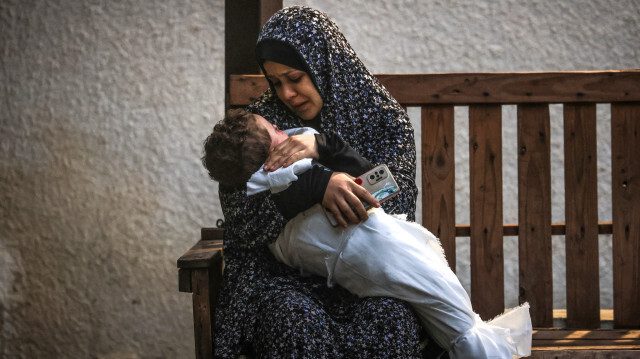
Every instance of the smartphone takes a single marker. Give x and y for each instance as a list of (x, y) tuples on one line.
[(379, 182)]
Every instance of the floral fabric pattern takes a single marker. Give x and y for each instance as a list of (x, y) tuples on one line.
[(269, 310)]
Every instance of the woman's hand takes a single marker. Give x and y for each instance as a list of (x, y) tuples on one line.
[(291, 150), (343, 198)]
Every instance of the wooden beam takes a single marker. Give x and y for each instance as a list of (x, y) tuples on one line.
[(470, 88), (557, 229)]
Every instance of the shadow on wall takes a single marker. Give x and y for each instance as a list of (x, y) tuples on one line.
[(72, 258)]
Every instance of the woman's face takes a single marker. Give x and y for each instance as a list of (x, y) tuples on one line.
[(295, 88)]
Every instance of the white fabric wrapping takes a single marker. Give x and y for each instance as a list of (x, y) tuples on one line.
[(385, 256)]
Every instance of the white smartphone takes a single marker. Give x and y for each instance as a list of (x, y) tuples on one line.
[(379, 182)]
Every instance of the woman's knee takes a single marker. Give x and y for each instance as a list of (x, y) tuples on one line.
[(389, 326), (291, 325)]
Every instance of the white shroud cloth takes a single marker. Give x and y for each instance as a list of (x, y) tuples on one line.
[(386, 256)]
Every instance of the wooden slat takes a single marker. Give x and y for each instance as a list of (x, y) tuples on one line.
[(605, 338), (584, 353), (581, 206), (534, 212), (592, 344), (606, 315), (625, 169), (485, 162), (438, 181), (557, 229), (469, 88)]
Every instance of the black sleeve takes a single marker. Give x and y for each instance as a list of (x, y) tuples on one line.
[(336, 154), (303, 193)]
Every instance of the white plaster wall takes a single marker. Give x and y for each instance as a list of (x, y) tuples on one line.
[(103, 108)]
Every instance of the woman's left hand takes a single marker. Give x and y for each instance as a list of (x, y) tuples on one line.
[(291, 150), (343, 197)]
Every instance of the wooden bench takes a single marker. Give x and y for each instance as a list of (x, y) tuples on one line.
[(485, 93)]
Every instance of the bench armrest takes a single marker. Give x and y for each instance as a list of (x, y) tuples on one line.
[(200, 273)]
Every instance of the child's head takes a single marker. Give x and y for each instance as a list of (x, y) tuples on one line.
[(238, 146)]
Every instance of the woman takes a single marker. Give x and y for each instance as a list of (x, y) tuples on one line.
[(266, 308)]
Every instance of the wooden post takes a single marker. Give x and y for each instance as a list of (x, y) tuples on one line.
[(243, 21)]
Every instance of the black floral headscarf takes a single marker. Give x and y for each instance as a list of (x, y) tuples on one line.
[(356, 106)]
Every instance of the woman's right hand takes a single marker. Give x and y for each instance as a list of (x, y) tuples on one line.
[(291, 150), (343, 198)]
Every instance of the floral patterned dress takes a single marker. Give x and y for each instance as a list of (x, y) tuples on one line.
[(269, 310)]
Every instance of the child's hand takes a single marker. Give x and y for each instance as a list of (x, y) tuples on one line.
[(291, 150), (343, 198)]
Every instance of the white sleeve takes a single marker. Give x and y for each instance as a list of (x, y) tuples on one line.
[(280, 179)]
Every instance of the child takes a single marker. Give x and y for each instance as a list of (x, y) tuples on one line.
[(382, 256)]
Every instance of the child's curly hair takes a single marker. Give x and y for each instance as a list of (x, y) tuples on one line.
[(235, 149)]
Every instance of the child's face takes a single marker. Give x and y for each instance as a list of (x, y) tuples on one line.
[(276, 134)]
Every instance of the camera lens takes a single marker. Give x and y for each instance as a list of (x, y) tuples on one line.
[(381, 171), (372, 177)]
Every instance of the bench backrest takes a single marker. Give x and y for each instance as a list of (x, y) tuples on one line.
[(532, 93)]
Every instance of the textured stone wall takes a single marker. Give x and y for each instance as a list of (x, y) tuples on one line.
[(103, 109)]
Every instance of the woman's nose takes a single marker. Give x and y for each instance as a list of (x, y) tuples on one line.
[(288, 92)]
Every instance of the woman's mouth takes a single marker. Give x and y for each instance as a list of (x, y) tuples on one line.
[(298, 107)]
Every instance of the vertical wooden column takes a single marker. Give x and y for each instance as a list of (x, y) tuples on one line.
[(438, 181), (243, 21), (625, 170), (581, 208), (534, 212), (485, 164), (202, 324)]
